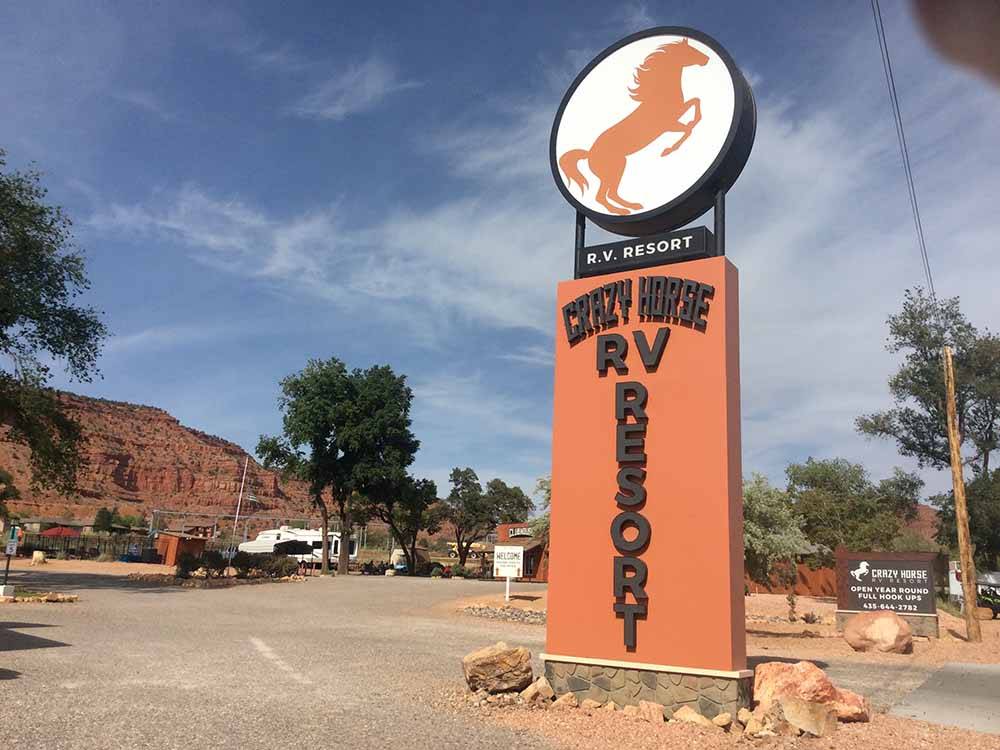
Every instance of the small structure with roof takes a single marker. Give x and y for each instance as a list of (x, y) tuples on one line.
[(170, 545)]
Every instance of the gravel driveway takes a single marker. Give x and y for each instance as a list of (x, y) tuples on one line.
[(350, 662)]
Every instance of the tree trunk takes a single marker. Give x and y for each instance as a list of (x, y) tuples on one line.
[(344, 558), (324, 514), (463, 552), (412, 562)]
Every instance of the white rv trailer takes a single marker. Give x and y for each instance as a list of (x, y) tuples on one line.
[(265, 541)]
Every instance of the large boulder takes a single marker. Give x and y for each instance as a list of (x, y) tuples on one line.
[(879, 631), (806, 682), (498, 668), (984, 613)]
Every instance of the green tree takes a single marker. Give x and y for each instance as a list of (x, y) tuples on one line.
[(772, 533), (407, 508), (41, 276), (103, 520), (474, 514), (540, 524), (982, 495), (841, 506), (7, 492), (346, 434), (918, 421)]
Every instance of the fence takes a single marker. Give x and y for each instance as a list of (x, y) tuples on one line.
[(133, 546)]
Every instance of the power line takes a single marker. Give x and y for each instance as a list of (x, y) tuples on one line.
[(901, 136)]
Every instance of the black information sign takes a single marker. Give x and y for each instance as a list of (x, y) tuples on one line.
[(643, 252), (902, 583)]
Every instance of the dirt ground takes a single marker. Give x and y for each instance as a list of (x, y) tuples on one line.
[(575, 729), (770, 634), (90, 566)]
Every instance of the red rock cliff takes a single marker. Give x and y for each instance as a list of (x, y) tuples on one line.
[(140, 458)]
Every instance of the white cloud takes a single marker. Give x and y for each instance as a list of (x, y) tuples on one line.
[(148, 102), (444, 401), (359, 88), (541, 356), (636, 17), (165, 337)]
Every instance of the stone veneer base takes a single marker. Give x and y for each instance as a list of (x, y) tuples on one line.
[(925, 625), (708, 695)]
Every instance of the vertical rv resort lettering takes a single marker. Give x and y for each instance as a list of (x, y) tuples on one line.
[(660, 298)]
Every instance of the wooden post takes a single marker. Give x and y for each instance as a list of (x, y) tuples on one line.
[(969, 589)]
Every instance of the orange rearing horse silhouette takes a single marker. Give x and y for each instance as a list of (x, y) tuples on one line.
[(661, 105)]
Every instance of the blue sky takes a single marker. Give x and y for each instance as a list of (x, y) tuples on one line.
[(257, 184)]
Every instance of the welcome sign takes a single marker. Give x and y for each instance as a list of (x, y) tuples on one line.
[(646, 538)]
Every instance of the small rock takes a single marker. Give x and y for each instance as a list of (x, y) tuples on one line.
[(743, 716), (631, 711), (651, 712), (498, 668), (852, 707), (690, 716), (774, 720), (984, 613), (566, 700), (531, 693), (723, 720), (589, 704), (816, 719), (544, 688), (753, 727), (609, 707), (883, 631)]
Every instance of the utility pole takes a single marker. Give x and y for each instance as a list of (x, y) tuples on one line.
[(969, 588), (239, 502)]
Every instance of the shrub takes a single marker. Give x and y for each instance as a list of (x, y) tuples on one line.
[(278, 566), (811, 618), (424, 568), (105, 557), (244, 562), (446, 572), (437, 571), (186, 565), (61, 555), (214, 563), (459, 571)]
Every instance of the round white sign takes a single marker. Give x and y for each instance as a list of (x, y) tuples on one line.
[(651, 130)]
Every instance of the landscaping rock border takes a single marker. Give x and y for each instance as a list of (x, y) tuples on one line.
[(510, 614), (164, 579)]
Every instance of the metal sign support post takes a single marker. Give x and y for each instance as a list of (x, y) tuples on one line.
[(506, 596), (720, 222), (581, 233), (6, 573), (11, 550)]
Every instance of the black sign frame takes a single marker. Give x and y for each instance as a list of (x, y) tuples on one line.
[(897, 589), (718, 178), (645, 252)]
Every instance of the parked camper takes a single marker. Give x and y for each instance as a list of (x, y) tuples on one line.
[(265, 541)]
